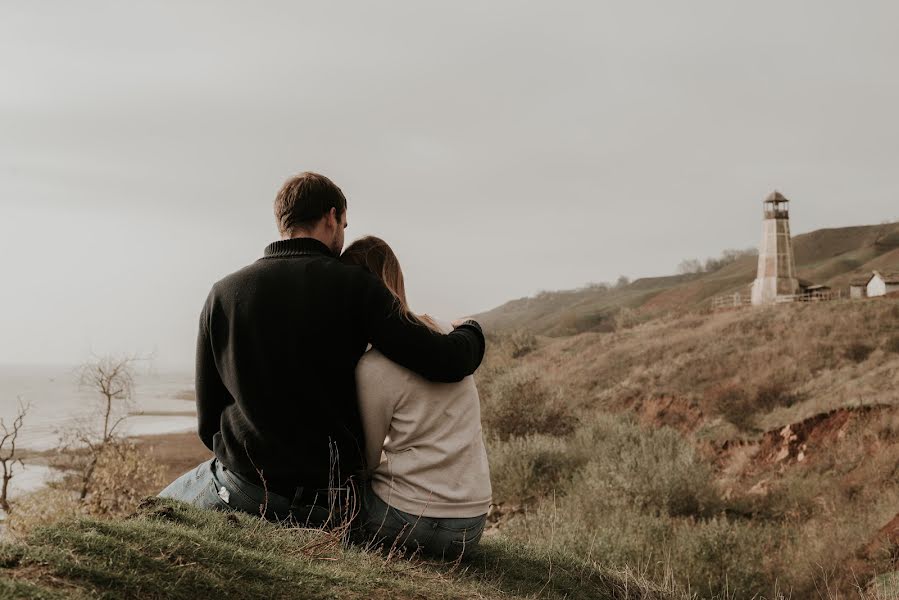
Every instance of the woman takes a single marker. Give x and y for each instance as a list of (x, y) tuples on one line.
[(430, 483)]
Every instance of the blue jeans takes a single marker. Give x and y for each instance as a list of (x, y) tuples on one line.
[(212, 486), (386, 526)]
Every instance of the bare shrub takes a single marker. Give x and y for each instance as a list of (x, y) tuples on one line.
[(522, 343), (627, 318), (858, 352), (9, 453), (690, 266), (84, 444), (775, 393), (520, 404), (739, 404), (733, 402), (572, 322), (122, 477)]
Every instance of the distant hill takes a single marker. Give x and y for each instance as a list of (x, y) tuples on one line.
[(827, 256)]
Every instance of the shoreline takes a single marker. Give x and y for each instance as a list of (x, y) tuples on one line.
[(176, 452)]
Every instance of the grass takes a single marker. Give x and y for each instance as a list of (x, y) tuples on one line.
[(748, 454), (169, 550), (776, 365), (679, 462), (829, 256)]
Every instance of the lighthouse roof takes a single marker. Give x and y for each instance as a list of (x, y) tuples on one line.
[(776, 196)]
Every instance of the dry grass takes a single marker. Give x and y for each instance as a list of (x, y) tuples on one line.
[(781, 365), (830, 256), (519, 403), (769, 511)]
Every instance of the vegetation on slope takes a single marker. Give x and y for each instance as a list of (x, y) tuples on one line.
[(828, 256), (169, 550), (753, 451), (744, 454)]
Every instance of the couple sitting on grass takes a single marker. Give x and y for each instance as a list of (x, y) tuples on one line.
[(326, 401)]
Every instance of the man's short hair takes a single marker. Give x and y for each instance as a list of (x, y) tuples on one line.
[(304, 199)]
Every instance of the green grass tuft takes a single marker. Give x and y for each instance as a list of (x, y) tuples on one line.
[(169, 550)]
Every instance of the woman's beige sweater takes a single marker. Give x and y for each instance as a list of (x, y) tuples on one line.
[(424, 444)]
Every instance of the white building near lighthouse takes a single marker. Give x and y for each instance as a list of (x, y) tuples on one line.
[(882, 283)]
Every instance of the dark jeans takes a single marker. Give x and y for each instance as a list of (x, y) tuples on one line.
[(212, 486), (385, 526)]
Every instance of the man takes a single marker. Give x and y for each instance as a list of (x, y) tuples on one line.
[(276, 357)]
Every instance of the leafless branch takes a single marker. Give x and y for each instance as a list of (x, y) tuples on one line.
[(8, 451), (112, 378)]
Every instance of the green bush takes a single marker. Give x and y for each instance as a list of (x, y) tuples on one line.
[(520, 404), (612, 462), (656, 470), (721, 555), (526, 468)]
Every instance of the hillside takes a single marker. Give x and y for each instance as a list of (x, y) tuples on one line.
[(168, 550), (756, 449), (827, 256)]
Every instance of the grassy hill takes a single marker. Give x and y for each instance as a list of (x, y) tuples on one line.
[(827, 256), (168, 550), (659, 452), (751, 450)]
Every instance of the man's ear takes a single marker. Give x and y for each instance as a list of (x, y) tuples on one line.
[(332, 218)]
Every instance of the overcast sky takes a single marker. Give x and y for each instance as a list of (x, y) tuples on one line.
[(501, 147)]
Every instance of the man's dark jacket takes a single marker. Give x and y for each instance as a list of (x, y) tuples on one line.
[(276, 359)]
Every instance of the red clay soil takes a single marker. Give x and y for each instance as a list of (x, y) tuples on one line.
[(794, 442), (797, 442)]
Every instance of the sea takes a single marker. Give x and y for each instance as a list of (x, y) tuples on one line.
[(162, 402)]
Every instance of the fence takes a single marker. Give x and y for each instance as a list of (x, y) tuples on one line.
[(740, 300), (816, 296), (730, 301)]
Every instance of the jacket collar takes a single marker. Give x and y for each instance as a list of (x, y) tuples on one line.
[(297, 247)]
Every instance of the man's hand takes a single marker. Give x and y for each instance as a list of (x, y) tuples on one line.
[(459, 322)]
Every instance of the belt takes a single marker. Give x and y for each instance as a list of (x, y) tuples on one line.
[(300, 495)]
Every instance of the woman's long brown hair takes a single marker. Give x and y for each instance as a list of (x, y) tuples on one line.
[(374, 254)]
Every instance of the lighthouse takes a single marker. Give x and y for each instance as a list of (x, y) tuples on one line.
[(777, 268)]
